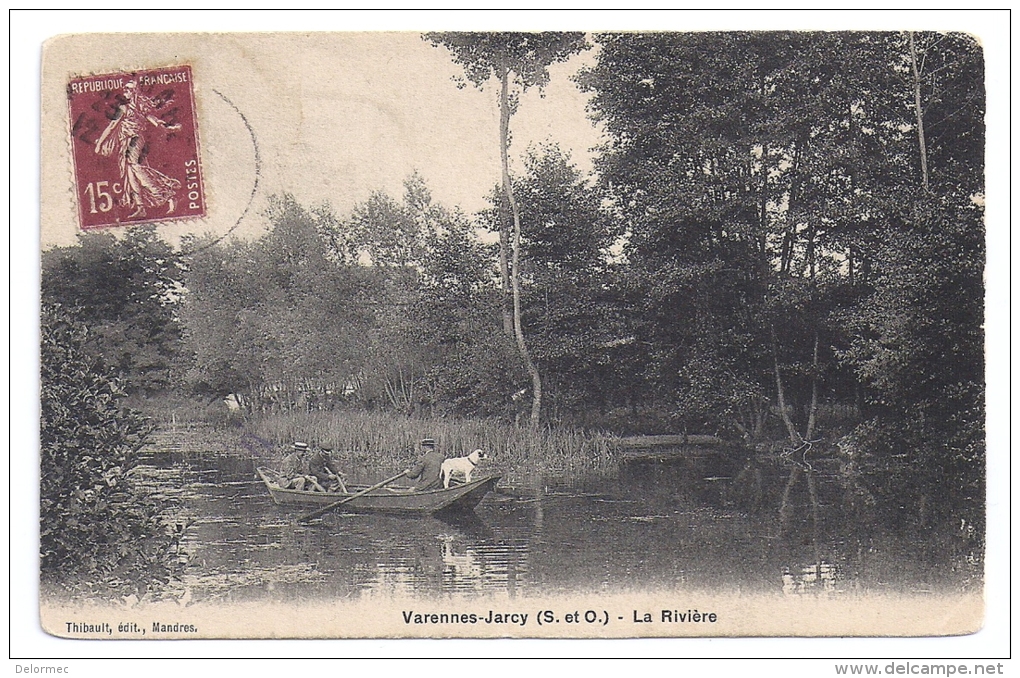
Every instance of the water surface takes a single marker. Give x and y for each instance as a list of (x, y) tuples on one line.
[(655, 525)]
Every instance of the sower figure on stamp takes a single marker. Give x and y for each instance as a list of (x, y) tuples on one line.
[(428, 470), (143, 186)]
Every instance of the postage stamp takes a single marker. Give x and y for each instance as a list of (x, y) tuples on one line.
[(562, 335), (134, 140)]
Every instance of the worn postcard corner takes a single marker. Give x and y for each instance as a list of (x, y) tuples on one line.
[(526, 335)]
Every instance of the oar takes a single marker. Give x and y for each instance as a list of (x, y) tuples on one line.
[(326, 509)]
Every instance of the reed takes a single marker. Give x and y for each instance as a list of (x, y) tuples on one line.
[(390, 441)]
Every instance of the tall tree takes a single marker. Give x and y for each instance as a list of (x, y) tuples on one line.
[(269, 317), (782, 227), (434, 284), (915, 336), (564, 273), (523, 58), (127, 291), (703, 146), (472, 366)]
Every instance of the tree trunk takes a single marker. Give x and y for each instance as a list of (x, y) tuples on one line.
[(812, 411), (918, 111), (850, 264), (515, 270), (789, 242), (813, 495), (785, 510), (504, 268), (809, 253), (790, 428)]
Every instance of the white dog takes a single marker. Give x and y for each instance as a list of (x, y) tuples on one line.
[(461, 465)]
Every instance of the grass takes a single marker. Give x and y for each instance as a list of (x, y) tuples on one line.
[(390, 441)]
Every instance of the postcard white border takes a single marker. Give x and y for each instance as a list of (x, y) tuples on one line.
[(27, 32)]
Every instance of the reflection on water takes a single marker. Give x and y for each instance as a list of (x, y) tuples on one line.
[(664, 526), (818, 578)]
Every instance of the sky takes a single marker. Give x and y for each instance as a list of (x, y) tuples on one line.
[(336, 116)]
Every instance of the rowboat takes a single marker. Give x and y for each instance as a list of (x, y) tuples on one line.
[(397, 500)]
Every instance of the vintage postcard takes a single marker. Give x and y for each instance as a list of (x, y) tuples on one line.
[(528, 335)]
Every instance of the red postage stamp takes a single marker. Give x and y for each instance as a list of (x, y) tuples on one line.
[(134, 139)]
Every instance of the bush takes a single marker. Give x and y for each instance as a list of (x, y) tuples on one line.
[(100, 529), (924, 473)]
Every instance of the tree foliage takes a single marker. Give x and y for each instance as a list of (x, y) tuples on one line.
[(266, 316), (564, 269), (527, 56), (101, 530), (782, 235), (127, 290)]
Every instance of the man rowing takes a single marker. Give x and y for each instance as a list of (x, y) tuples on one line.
[(428, 470), (325, 472), (315, 471)]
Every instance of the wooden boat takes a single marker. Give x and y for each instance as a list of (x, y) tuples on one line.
[(398, 500)]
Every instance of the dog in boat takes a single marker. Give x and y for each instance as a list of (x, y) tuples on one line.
[(463, 466)]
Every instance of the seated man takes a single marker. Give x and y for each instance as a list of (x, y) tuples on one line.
[(428, 470), (292, 474), (295, 471), (325, 472)]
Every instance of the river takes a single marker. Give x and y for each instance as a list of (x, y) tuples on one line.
[(655, 524)]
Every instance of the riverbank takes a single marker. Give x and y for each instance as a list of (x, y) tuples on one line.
[(387, 441), (392, 439)]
